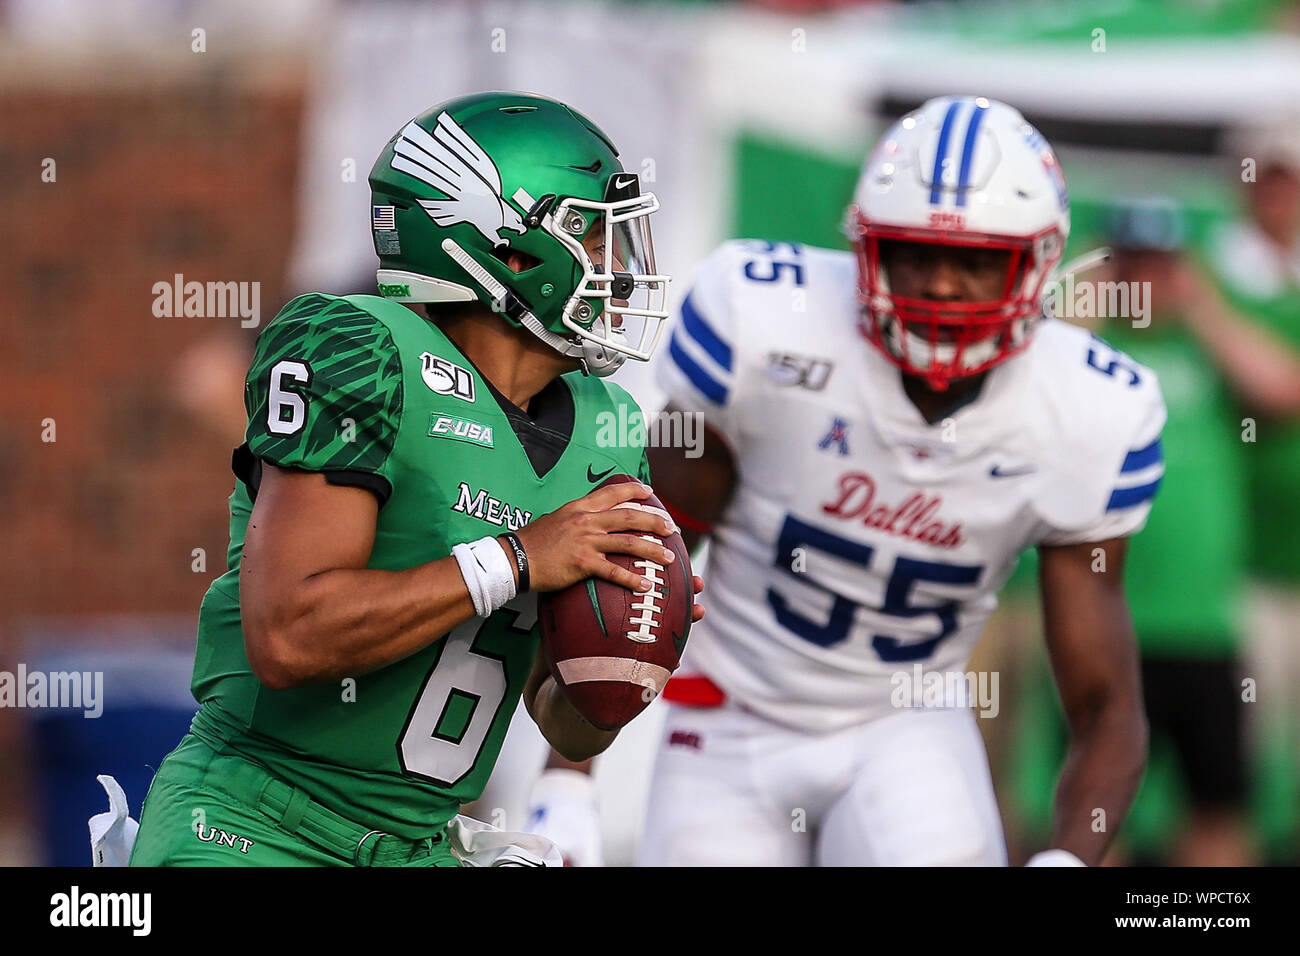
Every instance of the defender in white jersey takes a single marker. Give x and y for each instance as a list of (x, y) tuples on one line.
[(887, 432)]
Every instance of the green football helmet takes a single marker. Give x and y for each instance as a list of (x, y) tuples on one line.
[(463, 186)]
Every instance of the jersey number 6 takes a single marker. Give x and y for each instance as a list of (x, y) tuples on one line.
[(461, 698), (286, 411)]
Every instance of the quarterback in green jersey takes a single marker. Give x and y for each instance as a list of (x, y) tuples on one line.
[(415, 464)]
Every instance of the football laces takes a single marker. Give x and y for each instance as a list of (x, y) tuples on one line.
[(649, 605)]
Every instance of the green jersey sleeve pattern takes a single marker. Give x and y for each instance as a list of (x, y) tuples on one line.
[(324, 392)]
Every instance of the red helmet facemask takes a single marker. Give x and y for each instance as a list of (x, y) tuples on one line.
[(940, 341)]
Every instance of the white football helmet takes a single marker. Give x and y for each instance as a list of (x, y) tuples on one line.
[(959, 171)]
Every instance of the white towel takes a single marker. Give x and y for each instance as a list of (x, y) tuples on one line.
[(112, 834), (480, 844)]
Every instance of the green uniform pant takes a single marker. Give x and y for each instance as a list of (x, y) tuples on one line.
[(210, 808)]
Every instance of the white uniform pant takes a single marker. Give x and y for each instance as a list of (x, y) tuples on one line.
[(731, 788)]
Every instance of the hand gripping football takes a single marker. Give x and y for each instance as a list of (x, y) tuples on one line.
[(610, 649)]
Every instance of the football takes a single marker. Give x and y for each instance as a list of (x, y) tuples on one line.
[(610, 649)]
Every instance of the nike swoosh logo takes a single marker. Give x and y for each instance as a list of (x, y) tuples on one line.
[(624, 183), (997, 472), (593, 477)]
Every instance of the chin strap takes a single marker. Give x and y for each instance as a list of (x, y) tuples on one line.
[(598, 360)]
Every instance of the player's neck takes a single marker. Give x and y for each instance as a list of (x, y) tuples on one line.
[(516, 363), (933, 405)]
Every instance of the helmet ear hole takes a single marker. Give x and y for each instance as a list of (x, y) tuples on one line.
[(514, 259)]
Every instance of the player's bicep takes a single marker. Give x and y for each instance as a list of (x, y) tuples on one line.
[(1088, 628), (301, 526), (695, 484)]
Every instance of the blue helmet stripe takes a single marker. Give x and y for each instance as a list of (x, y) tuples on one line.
[(968, 152), (940, 154)]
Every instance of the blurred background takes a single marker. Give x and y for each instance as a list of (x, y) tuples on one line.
[(147, 142)]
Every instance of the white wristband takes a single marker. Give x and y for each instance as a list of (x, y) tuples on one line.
[(488, 573), (1056, 857)]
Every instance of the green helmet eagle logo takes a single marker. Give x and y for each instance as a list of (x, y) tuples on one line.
[(450, 161), (478, 179)]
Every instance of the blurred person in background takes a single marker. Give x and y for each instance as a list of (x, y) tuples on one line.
[(207, 385), (866, 500), (1185, 573), (1256, 260)]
